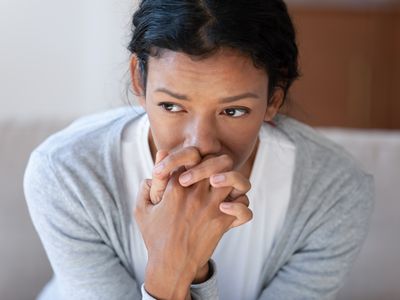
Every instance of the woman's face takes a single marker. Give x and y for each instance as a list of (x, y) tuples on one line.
[(216, 104)]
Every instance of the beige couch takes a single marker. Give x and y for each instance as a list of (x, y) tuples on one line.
[(24, 268)]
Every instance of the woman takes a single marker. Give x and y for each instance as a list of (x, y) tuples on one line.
[(206, 191)]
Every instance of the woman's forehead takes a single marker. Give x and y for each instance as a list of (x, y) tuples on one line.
[(223, 67)]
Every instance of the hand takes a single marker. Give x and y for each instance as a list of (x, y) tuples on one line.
[(237, 202), (197, 169), (180, 233), (165, 164)]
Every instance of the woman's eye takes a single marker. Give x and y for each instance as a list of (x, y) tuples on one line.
[(170, 107), (236, 112)]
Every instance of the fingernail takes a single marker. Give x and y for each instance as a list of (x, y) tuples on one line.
[(218, 178), (158, 168), (226, 205), (185, 178)]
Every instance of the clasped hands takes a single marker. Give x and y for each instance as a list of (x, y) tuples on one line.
[(183, 212)]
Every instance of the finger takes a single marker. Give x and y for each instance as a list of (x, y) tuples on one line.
[(240, 184), (242, 199), (219, 195), (240, 211), (206, 168), (143, 198), (187, 157), (158, 184), (203, 188), (174, 192)]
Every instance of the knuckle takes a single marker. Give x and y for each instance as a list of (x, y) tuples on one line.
[(193, 152), (249, 215), (171, 159), (241, 212), (157, 175), (248, 185), (246, 201), (156, 197), (227, 160), (241, 178), (209, 157), (200, 170), (244, 182)]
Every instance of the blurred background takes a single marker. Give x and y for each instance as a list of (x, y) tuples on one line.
[(63, 59)]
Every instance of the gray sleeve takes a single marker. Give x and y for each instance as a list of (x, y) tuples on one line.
[(84, 266), (207, 290), (319, 268)]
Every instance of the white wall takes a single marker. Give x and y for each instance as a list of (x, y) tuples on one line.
[(68, 58), (62, 58)]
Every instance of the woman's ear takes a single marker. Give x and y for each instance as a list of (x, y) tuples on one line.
[(136, 78), (274, 104)]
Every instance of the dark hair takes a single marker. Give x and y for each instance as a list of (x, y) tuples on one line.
[(261, 29)]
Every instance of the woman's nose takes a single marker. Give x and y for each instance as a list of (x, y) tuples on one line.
[(204, 136)]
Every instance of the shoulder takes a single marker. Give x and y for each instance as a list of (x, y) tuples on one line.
[(90, 133), (305, 136), (315, 148), (80, 161), (326, 172)]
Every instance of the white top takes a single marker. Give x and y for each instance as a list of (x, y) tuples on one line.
[(271, 180)]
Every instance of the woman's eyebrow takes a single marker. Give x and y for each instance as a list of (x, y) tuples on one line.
[(239, 97), (172, 94), (223, 100)]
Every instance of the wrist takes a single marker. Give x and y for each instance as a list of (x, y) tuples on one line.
[(164, 283), (203, 274)]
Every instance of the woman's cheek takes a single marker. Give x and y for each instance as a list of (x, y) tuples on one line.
[(168, 137)]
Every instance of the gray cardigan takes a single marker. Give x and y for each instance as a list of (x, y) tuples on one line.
[(74, 188)]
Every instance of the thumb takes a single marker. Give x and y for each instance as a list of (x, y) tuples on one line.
[(158, 184)]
